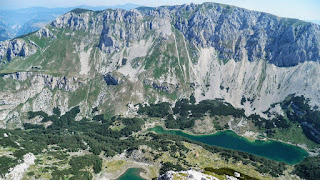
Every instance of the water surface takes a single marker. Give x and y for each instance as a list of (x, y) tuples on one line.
[(131, 174), (274, 150)]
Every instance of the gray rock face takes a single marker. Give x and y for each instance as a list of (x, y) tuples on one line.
[(73, 21), (46, 33), (20, 76), (119, 28), (16, 47), (281, 41), (235, 33), (230, 30), (49, 81), (19, 48), (38, 96)]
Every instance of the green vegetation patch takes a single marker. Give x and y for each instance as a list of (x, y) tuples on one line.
[(155, 110), (298, 116), (187, 112), (6, 163), (309, 168), (80, 162), (167, 166), (78, 96)]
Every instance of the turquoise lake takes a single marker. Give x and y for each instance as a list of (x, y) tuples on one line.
[(131, 174), (274, 150)]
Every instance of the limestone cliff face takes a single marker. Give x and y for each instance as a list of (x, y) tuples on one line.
[(237, 33), (16, 47), (159, 54), (230, 30), (33, 92)]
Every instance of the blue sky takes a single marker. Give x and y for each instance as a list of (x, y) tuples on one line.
[(301, 9)]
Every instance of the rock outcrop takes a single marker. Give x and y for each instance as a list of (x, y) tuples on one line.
[(237, 33), (35, 92), (46, 33), (48, 81), (186, 175), (16, 47)]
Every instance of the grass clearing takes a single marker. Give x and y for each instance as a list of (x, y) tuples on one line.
[(295, 135)]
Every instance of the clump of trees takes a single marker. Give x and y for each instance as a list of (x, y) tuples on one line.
[(6, 163), (80, 166), (80, 162), (65, 132), (56, 111), (309, 168), (186, 111), (298, 110), (167, 166), (179, 123), (155, 110)]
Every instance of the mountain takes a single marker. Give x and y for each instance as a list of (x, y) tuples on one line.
[(5, 32), (183, 67), (209, 50), (22, 21)]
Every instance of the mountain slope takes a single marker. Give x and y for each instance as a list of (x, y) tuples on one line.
[(113, 58)]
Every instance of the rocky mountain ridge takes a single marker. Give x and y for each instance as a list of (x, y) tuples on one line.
[(209, 50), (17, 22)]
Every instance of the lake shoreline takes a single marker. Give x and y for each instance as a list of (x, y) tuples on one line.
[(113, 174), (143, 174), (249, 138), (291, 154), (122, 170)]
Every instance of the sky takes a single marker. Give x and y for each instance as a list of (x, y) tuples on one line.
[(300, 9)]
